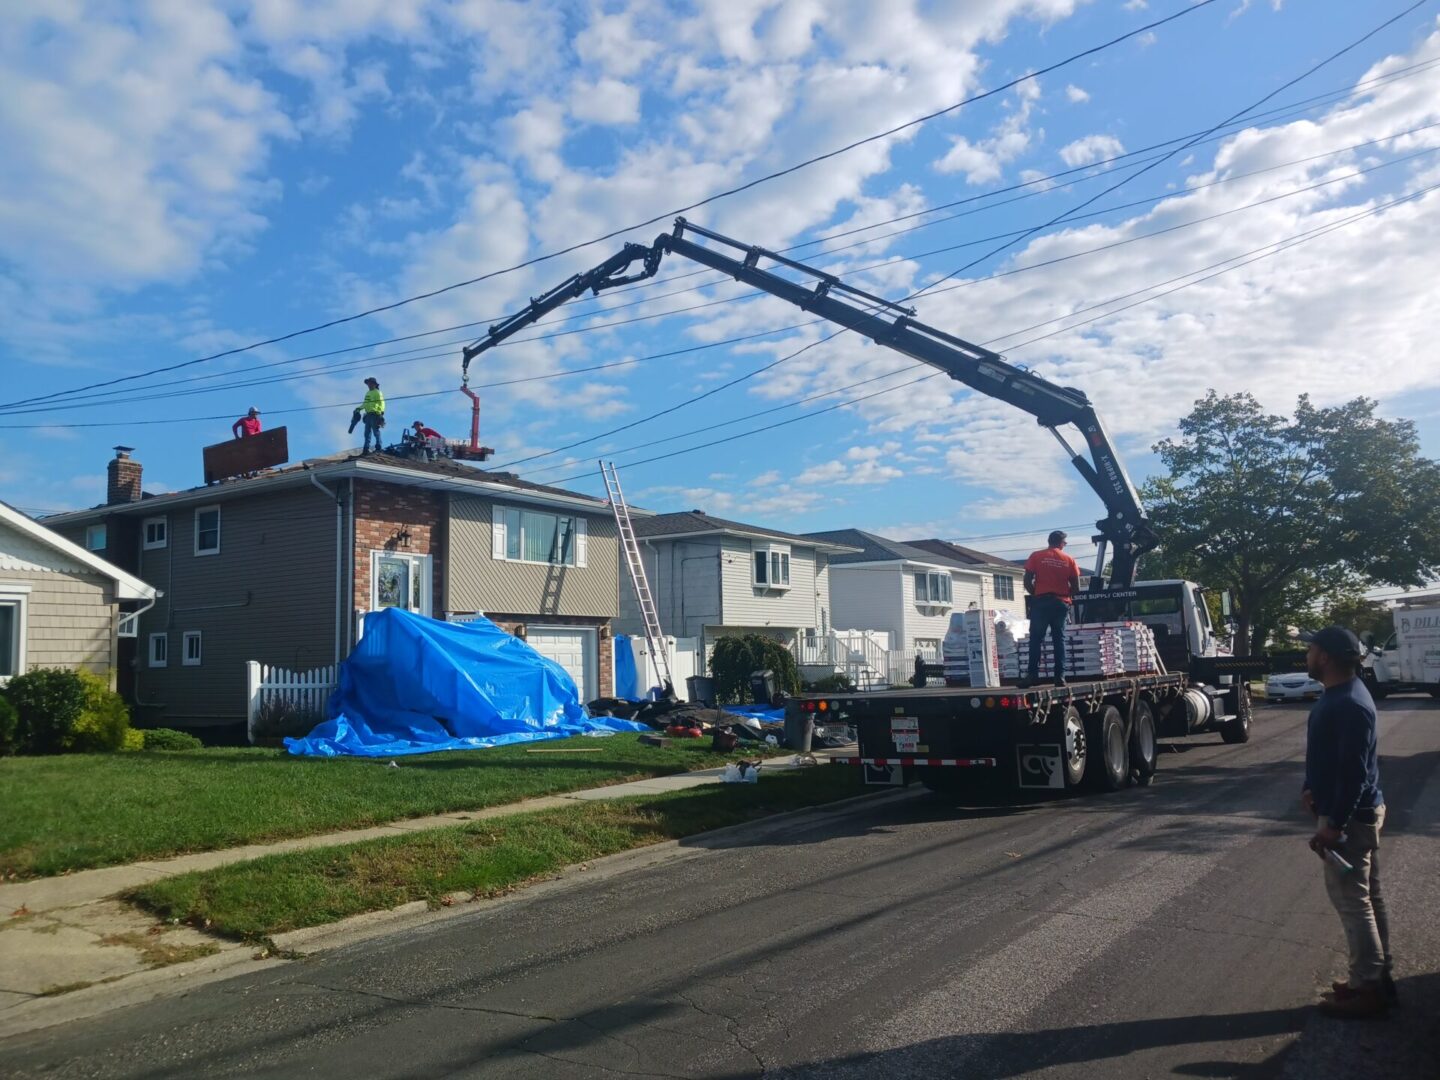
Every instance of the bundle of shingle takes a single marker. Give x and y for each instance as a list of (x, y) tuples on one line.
[(974, 645), (1092, 650)]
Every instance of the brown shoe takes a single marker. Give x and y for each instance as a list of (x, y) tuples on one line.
[(1362, 1003)]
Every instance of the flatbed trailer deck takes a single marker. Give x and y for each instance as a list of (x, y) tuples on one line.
[(1100, 732)]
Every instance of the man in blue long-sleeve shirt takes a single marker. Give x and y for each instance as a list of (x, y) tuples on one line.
[(1342, 790)]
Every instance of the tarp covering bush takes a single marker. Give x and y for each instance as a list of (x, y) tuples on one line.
[(415, 685)]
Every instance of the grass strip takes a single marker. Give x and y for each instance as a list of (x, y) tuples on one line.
[(277, 893), (77, 811)]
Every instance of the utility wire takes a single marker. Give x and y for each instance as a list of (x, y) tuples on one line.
[(1279, 246), (1194, 6), (1040, 185)]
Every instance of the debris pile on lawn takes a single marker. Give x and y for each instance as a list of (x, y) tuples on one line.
[(1092, 650), (415, 685), (747, 723)]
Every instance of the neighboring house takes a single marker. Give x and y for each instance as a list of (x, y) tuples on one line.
[(1004, 585), (898, 589), (60, 605), (280, 568), (712, 578)]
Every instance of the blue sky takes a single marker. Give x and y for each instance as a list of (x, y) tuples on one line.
[(186, 178)]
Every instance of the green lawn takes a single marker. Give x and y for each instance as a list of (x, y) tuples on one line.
[(72, 812), (271, 895)]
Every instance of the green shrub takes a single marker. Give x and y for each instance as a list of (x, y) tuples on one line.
[(9, 726), (281, 718), (49, 702), (134, 740), (101, 726), (839, 683), (164, 738), (736, 657)]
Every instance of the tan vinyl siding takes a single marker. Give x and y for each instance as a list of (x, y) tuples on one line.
[(69, 619), (475, 580), (269, 595)]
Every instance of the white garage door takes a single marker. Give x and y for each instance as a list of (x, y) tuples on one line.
[(574, 650)]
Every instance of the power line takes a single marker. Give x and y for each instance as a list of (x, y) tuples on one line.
[(1290, 242), (1406, 72), (1194, 6)]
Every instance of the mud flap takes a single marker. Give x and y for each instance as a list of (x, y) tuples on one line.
[(1041, 765), (892, 775)]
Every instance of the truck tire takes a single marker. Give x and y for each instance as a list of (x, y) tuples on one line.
[(1377, 690), (1142, 743), (1075, 748), (1238, 730), (1109, 765)]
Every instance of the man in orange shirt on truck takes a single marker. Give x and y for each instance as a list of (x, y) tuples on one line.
[(1052, 578)]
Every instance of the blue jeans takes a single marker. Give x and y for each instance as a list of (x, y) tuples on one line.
[(1048, 613), (372, 427)]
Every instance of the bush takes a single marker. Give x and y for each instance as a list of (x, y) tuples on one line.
[(164, 738), (736, 657), (134, 740), (102, 724), (9, 725), (838, 683), (281, 718), (49, 702)]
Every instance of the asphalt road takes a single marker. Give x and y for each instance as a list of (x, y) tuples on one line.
[(1175, 930)]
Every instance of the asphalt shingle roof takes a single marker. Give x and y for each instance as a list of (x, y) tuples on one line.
[(964, 555), (875, 548), (690, 522)]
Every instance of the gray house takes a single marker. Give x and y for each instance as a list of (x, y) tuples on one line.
[(280, 569), (711, 578)]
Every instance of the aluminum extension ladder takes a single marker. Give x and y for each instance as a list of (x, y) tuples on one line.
[(654, 638)]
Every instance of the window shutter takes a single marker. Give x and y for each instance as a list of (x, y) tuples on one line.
[(580, 531), (497, 532)]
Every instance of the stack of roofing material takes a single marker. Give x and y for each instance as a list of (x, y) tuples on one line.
[(1092, 650), (970, 649)]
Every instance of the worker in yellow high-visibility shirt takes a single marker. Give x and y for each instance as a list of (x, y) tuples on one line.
[(371, 412)]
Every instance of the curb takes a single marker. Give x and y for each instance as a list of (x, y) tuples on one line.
[(240, 959)]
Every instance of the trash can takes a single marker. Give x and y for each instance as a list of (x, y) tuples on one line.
[(762, 687), (799, 729), (700, 689)]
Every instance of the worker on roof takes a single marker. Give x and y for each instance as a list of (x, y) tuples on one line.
[(422, 442), (372, 412), (249, 424)]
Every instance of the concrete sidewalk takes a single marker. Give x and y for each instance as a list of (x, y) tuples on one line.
[(61, 935)]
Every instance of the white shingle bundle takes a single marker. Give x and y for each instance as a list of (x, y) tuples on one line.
[(1092, 650)]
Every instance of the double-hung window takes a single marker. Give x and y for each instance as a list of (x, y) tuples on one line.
[(157, 532), (207, 530), (932, 587), (190, 652), (13, 600), (537, 537), (159, 650), (772, 567), (1004, 586)]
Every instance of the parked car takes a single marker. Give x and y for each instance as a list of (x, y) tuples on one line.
[(1292, 686)]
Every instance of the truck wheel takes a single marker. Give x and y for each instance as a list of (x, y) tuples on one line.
[(1111, 757), (1142, 743), (1378, 692), (1238, 730), (1076, 748)]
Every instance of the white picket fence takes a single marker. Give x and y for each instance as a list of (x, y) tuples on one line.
[(306, 690)]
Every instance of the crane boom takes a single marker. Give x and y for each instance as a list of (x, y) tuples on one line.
[(1124, 530)]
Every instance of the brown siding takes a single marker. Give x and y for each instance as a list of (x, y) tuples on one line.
[(477, 581), (269, 595)]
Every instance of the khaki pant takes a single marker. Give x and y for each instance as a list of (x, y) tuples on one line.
[(1360, 903)]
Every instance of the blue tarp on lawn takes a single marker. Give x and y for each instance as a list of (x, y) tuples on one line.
[(415, 685)]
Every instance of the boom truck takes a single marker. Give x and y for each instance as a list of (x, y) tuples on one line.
[(1100, 732)]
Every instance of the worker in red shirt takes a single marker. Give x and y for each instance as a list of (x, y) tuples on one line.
[(249, 424), (1052, 578)]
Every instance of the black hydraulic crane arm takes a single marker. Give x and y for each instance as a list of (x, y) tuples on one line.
[(1124, 530)]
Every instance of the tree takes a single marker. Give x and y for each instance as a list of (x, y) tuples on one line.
[(1293, 515), (1363, 617)]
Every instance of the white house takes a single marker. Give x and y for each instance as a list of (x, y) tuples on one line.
[(1003, 583), (60, 604), (712, 578), (899, 589)]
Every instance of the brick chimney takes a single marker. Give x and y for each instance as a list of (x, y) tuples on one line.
[(123, 474)]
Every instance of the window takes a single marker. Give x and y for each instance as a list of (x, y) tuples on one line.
[(1004, 586), (12, 630), (534, 536), (207, 530), (772, 567), (157, 532), (190, 649), (932, 587), (95, 537), (401, 581), (159, 650)]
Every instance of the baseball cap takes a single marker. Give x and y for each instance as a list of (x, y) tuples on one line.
[(254, 411), (1335, 640)]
